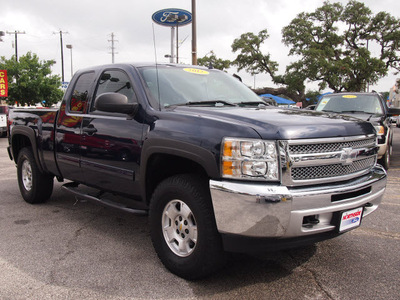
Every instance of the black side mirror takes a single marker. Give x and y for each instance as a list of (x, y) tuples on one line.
[(116, 103), (394, 111)]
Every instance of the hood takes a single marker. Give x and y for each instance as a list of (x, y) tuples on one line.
[(283, 124)]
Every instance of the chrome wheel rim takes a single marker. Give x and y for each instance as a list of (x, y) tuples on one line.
[(27, 175), (179, 228)]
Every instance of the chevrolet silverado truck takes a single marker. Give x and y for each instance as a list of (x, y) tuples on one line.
[(214, 167), (367, 106)]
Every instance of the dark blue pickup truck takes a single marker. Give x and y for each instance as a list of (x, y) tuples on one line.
[(214, 167)]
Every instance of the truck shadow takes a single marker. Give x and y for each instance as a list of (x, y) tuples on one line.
[(249, 269)]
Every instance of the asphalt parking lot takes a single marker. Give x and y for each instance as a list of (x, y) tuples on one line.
[(69, 249)]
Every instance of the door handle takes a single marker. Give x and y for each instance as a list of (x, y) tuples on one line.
[(90, 130)]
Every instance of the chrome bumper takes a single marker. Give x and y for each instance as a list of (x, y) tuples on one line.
[(273, 211)]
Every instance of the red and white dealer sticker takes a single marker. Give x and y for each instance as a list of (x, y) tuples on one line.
[(350, 219)]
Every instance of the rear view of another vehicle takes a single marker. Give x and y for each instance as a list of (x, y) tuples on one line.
[(366, 106), (3, 120)]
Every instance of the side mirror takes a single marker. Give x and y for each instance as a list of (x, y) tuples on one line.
[(115, 103), (394, 111)]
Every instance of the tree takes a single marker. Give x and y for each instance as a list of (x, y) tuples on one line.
[(335, 43), (212, 60), (30, 81), (335, 46), (253, 60)]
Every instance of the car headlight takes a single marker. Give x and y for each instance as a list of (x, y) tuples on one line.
[(380, 130), (250, 159)]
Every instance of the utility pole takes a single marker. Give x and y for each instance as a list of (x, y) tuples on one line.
[(194, 34), (62, 53), (112, 46), (16, 32)]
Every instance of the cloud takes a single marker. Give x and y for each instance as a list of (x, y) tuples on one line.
[(90, 23)]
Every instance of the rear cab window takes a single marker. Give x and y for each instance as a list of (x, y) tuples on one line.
[(80, 95)]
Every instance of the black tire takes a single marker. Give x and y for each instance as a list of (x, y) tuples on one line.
[(35, 187), (181, 212)]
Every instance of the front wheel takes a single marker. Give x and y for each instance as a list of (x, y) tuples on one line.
[(183, 228), (35, 187), (385, 160)]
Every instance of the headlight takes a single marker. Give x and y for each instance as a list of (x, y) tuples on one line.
[(249, 159), (380, 130)]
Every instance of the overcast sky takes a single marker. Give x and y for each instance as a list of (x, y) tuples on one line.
[(87, 26)]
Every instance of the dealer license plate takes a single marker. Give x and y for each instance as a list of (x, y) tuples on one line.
[(350, 219)]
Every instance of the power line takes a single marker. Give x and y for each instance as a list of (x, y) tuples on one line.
[(16, 32), (112, 46)]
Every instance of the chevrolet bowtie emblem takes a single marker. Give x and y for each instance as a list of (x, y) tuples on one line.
[(348, 155)]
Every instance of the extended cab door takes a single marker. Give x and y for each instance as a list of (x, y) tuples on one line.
[(111, 142), (68, 127)]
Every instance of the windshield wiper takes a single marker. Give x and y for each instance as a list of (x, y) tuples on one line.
[(327, 110), (252, 103), (207, 103)]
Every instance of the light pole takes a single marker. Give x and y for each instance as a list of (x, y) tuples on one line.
[(181, 18), (70, 48), (62, 54), (194, 33), (172, 18)]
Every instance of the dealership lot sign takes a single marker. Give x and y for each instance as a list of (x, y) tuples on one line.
[(3, 83), (172, 17)]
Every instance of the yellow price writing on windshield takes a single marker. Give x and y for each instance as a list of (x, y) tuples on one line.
[(196, 71)]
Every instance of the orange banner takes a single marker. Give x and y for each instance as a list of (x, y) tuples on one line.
[(3, 83)]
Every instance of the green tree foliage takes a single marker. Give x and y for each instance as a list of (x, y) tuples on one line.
[(251, 57), (216, 63), (336, 45), (253, 60), (30, 81)]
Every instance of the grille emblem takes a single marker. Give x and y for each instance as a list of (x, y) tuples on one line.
[(348, 155)]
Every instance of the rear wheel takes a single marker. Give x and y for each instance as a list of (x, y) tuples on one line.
[(183, 228), (35, 187)]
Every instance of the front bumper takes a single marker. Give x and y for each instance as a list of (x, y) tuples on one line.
[(259, 210)]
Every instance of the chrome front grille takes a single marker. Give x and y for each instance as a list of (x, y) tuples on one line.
[(323, 160), (328, 171), (329, 147)]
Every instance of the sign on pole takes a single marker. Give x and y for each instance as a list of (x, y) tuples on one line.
[(172, 17), (3, 83)]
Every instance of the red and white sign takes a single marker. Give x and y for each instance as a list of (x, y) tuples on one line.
[(3, 83), (351, 219)]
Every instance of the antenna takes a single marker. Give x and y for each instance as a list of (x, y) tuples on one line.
[(155, 58)]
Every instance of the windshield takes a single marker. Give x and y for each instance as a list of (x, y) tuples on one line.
[(3, 110), (350, 103), (192, 86)]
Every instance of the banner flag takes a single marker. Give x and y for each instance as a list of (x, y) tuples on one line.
[(3, 83)]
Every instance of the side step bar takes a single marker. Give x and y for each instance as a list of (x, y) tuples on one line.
[(72, 187)]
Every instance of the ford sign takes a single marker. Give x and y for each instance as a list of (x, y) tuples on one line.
[(172, 17)]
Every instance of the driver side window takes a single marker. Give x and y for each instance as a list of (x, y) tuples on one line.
[(114, 81)]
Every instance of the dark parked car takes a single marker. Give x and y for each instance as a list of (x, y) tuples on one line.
[(367, 106)]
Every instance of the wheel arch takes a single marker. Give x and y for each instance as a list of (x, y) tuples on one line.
[(169, 158), (22, 137)]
